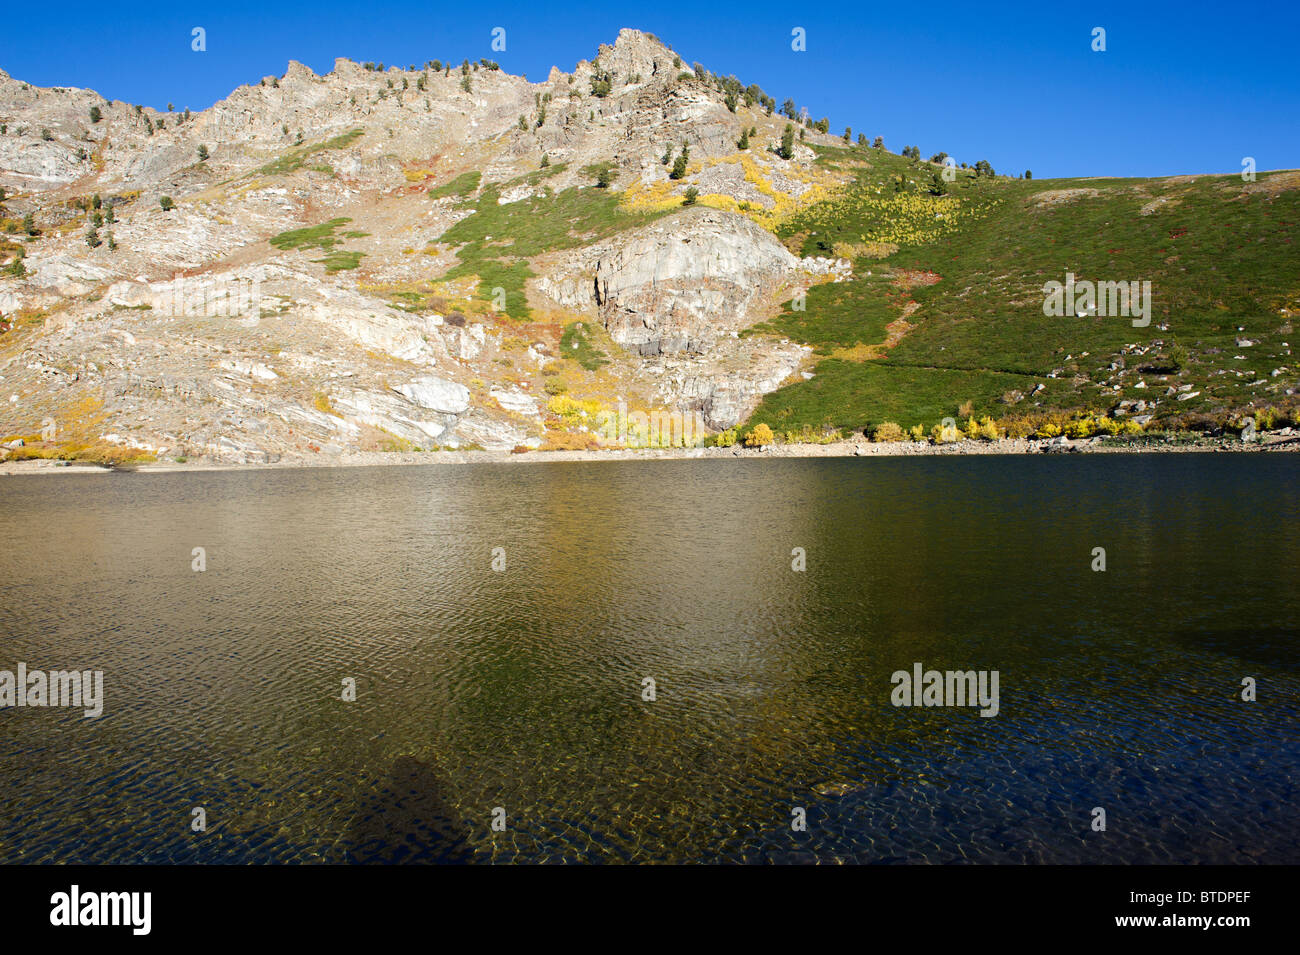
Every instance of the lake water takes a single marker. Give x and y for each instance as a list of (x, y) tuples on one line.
[(523, 688)]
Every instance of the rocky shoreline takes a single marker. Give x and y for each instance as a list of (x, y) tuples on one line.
[(840, 449)]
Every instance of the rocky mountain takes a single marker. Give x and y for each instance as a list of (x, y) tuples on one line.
[(447, 256), (284, 274)]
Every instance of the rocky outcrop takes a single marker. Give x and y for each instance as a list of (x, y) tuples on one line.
[(436, 394), (676, 285)]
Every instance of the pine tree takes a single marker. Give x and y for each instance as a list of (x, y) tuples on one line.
[(679, 166), (787, 142)]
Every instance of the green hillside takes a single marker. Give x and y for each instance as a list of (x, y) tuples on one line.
[(968, 273)]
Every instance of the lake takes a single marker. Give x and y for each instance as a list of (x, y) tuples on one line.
[(518, 694)]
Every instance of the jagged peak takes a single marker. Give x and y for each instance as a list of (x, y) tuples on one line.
[(629, 36), (296, 70), (635, 51)]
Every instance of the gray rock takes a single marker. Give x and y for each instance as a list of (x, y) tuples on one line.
[(436, 394)]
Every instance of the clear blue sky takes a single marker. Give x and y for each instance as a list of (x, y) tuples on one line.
[(1181, 88)]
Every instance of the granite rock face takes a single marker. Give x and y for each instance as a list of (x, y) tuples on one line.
[(678, 284)]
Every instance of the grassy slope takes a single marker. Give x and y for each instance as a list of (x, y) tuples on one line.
[(1219, 259), (497, 241)]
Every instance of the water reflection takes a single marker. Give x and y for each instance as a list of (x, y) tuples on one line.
[(522, 689)]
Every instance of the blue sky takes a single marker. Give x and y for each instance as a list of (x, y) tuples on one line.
[(1181, 87)]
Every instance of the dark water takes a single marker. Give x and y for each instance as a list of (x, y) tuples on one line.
[(523, 689)]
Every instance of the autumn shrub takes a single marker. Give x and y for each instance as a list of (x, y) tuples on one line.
[(1084, 427), (941, 435), (1109, 426), (887, 433)]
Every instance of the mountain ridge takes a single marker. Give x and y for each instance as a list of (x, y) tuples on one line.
[(628, 234)]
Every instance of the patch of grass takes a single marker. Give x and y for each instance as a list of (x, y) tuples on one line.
[(575, 344), (295, 159), (340, 260), (838, 315), (519, 231), (537, 175), (463, 185), (853, 396), (322, 237), (601, 173), (313, 236)]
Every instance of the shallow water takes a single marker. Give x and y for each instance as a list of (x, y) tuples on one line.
[(522, 689)]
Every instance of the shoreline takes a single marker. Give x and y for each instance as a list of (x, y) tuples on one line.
[(840, 449)]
